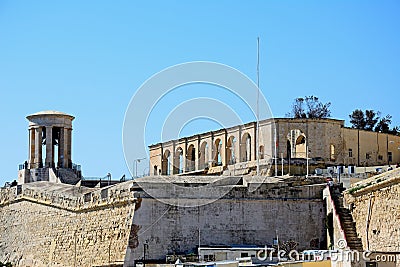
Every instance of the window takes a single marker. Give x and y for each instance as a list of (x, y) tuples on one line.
[(333, 156), (380, 157), (390, 156), (367, 156), (350, 153)]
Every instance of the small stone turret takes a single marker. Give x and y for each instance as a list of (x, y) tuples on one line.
[(50, 145)]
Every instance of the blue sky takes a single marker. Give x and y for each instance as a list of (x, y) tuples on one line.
[(88, 58)]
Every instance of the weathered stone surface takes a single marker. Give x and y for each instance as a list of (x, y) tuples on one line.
[(376, 210), (250, 213), (327, 140), (46, 224)]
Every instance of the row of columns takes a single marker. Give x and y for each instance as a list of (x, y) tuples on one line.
[(243, 151), (64, 147)]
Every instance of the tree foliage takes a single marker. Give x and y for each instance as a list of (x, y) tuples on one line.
[(371, 121), (309, 107), (357, 119), (371, 118), (383, 125)]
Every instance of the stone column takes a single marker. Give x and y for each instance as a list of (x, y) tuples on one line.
[(49, 147), (65, 150), (38, 147), (61, 149), (184, 158), (69, 148), (31, 147)]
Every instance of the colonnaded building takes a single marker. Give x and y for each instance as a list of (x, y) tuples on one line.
[(233, 151)]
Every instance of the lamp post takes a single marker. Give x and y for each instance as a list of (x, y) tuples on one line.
[(136, 163)]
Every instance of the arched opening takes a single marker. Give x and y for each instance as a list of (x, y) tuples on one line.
[(297, 144), (178, 161), (155, 172), (245, 147), (332, 152), (50, 151), (230, 150), (203, 157), (217, 160), (190, 158), (261, 152), (166, 163)]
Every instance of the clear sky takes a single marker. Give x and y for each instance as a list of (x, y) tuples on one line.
[(88, 58)]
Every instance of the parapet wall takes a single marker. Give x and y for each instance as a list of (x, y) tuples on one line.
[(47, 224), (374, 204)]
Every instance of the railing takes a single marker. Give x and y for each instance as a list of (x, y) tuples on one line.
[(76, 167), (25, 166)]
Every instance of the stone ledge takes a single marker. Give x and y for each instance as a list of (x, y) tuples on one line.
[(68, 197), (375, 186)]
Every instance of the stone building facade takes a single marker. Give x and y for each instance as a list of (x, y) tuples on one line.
[(236, 148)]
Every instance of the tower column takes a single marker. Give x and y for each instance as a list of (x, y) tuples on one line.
[(31, 147), (69, 147), (65, 148), (49, 147), (38, 147)]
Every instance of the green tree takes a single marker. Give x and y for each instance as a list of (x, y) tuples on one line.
[(371, 119), (309, 107), (383, 126), (395, 130), (357, 119)]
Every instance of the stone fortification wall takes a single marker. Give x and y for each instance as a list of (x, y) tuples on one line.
[(46, 224), (251, 213), (374, 204)]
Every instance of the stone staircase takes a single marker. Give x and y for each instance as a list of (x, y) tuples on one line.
[(347, 222)]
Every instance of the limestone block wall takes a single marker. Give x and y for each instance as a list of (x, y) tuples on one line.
[(375, 209), (243, 216), (45, 224)]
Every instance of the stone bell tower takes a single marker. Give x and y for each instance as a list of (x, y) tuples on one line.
[(50, 144)]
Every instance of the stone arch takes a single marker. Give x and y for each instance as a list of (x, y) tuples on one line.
[(245, 147), (178, 161), (191, 158), (166, 163), (230, 150), (203, 156), (297, 144)]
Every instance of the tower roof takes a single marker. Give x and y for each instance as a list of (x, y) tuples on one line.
[(50, 112)]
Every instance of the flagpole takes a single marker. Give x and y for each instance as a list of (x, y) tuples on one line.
[(258, 107)]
